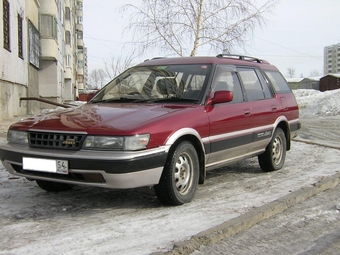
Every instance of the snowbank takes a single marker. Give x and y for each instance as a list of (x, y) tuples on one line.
[(316, 103)]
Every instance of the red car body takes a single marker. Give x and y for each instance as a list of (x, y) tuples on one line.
[(217, 127)]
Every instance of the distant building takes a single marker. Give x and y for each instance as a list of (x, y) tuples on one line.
[(330, 82), (294, 82), (332, 59), (42, 54), (310, 83)]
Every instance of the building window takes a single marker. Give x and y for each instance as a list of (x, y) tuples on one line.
[(48, 26), (80, 63), (79, 5), (67, 37), (20, 38), (68, 60), (33, 44), (80, 35), (79, 20), (67, 13), (6, 28)]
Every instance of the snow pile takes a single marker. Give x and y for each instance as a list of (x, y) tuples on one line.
[(316, 103)]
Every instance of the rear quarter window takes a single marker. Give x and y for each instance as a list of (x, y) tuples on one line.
[(279, 83)]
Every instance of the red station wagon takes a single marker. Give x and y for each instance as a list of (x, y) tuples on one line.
[(162, 123)]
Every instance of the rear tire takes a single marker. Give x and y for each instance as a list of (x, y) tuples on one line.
[(179, 180), (53, 186), (274, 157)]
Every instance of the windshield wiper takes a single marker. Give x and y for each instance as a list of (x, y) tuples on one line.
[(174, 99), (121, 99)]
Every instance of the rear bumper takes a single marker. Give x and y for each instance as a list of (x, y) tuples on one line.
[(110, 169)]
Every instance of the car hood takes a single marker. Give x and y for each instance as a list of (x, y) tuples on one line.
[(100, 118)]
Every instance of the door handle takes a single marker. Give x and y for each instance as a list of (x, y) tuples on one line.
[(246, 112)]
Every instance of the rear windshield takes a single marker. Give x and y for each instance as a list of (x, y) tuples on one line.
[(278, 81)]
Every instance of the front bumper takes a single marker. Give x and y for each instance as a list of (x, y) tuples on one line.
[(110, 169)]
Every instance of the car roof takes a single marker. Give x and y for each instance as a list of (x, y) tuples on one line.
[(228, 59)]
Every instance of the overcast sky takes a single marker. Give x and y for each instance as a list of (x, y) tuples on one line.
[(294, 37)]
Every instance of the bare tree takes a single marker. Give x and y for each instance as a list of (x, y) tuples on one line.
[(117, 65), (97, 78), (184, 26), (315, 73), (291, 72)]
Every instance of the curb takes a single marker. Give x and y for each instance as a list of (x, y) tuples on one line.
[(249, 219)]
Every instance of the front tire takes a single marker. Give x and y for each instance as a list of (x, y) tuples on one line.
[(179, 180), (274, 157), (53, 186)]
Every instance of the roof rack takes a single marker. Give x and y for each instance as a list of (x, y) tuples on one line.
[(241, 57), (153, 58)]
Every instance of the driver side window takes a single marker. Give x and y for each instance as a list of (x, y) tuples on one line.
[(228, 80)]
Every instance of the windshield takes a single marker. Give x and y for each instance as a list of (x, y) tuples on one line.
[(156, 83)]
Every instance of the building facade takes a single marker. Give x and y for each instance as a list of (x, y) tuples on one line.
[(13, 60), (42, 54), (332, 59)]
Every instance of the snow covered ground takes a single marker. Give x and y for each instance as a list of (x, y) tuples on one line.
[(100, 221)]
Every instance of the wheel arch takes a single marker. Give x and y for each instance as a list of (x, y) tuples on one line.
[(191, 135), (284, 125)]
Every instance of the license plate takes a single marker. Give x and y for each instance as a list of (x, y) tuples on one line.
[(45, 165)]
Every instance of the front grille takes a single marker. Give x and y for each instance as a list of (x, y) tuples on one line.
[(56, 141)]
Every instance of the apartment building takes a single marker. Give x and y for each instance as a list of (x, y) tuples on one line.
[(42, 54), (13, 58), (332, 59), (62, 58)]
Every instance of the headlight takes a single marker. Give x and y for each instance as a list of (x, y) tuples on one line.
[(14, 136), (128, 143)]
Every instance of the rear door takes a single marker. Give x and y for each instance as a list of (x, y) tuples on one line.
[(264, 107)]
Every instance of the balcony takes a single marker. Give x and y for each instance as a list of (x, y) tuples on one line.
[(67, 3), (80, 43), (79, 27), (80, 56), (80, 71), (68, 73), (50, 7), (49, 49), (79, 13), (80, 85)]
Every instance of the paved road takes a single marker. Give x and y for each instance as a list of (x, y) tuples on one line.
[(321, 130)]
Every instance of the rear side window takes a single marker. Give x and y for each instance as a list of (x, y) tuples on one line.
[(251, 84), (279, 83)]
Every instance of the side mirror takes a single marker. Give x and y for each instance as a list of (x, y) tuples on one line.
[(222, 96)]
